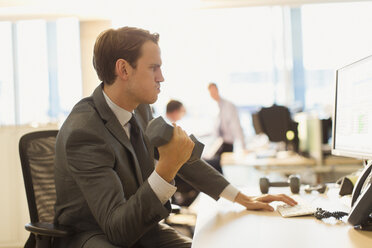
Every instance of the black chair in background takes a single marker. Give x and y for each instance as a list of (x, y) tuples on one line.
[(257, 123), (275, 122), (37, 151)]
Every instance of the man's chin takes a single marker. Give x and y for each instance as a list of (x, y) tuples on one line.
[(152, 101)]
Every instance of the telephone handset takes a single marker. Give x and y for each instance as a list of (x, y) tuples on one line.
[(361, 204)]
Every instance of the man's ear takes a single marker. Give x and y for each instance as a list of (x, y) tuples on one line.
[(122, 69)]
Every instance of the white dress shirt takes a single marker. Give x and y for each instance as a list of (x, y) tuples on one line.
[(161, 188), (229, 127)]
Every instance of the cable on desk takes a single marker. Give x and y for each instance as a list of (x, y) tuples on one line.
[(321, 214)]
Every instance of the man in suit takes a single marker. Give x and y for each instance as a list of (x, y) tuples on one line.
[(108, 189)]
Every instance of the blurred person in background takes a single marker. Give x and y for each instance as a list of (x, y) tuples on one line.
[(175, 111), (228, 128)]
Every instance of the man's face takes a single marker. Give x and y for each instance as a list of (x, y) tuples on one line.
[(179, 113), (213, 91), (144, 85)]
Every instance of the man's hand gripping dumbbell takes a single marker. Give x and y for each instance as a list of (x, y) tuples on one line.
[(174, 146)]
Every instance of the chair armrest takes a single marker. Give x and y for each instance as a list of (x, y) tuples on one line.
[(48, 229)]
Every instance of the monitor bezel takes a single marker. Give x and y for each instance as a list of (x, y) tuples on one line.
[(342, 152)]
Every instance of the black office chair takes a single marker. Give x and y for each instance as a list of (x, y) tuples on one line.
[(37, 152), (275, 122)]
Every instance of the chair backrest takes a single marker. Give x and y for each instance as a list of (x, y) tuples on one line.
[(257, 123), (275, 121), (37, 152)]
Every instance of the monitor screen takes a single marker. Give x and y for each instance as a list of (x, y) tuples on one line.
[(352, 125)]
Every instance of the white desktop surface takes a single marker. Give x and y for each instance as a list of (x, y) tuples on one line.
[(291, 163), (250, 159), (224, 224)]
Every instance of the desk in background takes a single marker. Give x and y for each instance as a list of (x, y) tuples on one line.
[(224, 224), (291, 163)]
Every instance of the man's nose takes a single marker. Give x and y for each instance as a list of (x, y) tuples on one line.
[(160, 77)]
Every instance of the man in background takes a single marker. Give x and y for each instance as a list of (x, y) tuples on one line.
[(175, 111), (228, 127)]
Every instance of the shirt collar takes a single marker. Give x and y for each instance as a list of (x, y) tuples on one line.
[(120, 113)]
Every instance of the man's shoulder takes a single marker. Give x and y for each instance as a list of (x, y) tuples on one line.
[(227, 103), (84, 105), (84, 115)]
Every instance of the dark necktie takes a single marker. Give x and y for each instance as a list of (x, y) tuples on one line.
[(136, 138)]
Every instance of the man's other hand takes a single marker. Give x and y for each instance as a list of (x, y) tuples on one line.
[(262, 202)]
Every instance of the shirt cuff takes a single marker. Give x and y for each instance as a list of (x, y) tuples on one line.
[(229, 193), (163, 190)]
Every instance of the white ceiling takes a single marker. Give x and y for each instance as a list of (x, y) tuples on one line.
[(105, 9)]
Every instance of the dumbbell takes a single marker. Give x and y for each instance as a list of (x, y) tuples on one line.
[(321, 188), (293, 182), (160, 133)]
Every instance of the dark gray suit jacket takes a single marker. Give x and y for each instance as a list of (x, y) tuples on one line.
[(98, 179)]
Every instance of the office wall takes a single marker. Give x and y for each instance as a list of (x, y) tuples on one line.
[(89, 30), (13, 208)]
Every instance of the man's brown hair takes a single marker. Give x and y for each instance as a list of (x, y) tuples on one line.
[(173, 105), (123, 43)]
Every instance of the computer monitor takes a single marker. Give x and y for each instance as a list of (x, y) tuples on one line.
[(352, 125)]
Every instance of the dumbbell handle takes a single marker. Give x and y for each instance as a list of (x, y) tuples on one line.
[(278, 184)]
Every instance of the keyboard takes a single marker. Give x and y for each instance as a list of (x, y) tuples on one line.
[(301, 209)]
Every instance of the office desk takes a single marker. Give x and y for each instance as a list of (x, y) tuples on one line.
[(291, 163), (224, 224), (250, 159)]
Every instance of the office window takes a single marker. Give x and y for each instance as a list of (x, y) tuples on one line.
[(31, 60), (238, 48), (69, 65), (331, 43), (247, 51), (41, 74), (7, 115)]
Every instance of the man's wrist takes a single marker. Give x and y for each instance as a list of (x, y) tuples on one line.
[(242, 198), (164, 173), (162, 189), (230, 193)]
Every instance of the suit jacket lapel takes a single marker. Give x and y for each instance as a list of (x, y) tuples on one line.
[(113, 125)]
